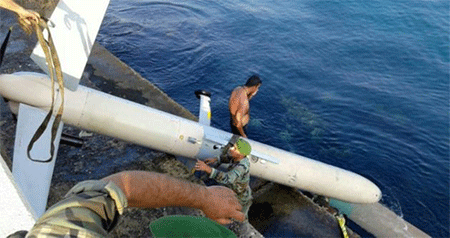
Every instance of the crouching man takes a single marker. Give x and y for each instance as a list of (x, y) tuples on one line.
[(237, 176)]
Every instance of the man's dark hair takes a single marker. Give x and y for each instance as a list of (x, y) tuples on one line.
[(253, 81)]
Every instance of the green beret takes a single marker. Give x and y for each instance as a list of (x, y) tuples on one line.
[(243, 147), (188, 226)]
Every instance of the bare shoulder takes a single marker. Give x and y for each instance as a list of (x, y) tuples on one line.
[(237, 90), (238, 100), (236, 94)]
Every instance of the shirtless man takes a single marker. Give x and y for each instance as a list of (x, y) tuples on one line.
[(239, 105)]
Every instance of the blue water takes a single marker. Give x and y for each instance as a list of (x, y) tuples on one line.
[(362, 85)]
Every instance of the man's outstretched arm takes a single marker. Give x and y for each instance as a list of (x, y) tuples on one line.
[(150, 190)]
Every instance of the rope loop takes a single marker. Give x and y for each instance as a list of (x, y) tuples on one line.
[(54, 70)]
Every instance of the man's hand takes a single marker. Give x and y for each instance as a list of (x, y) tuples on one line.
[(222, 205), (211, 160), (201, 166)]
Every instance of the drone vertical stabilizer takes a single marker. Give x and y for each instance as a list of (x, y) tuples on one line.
[(74, 25), (33, 174)]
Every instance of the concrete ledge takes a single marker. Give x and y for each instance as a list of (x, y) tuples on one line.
[(112, 76)]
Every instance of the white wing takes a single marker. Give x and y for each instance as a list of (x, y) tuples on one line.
[(76, 24)]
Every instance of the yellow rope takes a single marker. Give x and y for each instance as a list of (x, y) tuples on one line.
[(341, 221), (54, 69)]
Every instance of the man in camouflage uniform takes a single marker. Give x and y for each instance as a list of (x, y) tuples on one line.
[(238, 175), (92, 208)]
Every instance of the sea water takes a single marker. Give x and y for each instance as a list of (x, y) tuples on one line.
[(362, 85)]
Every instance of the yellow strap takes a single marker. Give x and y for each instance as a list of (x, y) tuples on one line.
[(341, 221), (54, 68)]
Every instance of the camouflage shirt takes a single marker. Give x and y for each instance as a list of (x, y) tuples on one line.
[(237, 178), (90, 209)]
